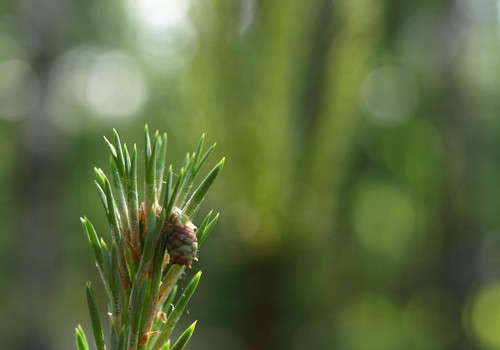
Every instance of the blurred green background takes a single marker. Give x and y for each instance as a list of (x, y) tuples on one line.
[(360, 200)]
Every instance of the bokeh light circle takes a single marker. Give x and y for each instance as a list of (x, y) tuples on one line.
[(485, 315), (384, 219), (89, 82), (115, 86), (389, 95)]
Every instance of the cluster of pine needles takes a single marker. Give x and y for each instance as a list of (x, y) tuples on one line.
[(153, 240)]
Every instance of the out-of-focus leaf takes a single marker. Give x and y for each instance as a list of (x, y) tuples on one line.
[(179, 308), (81, 339), (160, 163), (184, 338), (94, 317), (206, 230), (200, 193)]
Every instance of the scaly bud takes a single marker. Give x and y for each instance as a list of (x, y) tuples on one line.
[(182, 244)]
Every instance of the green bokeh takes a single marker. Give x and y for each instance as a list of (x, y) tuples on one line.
[(360, 198)]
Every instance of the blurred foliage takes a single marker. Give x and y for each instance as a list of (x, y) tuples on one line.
[(360, 197)]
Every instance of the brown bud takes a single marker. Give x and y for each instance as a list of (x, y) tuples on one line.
[(182, 244)]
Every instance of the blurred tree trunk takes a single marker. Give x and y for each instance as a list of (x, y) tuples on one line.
[(41, 176), (456, 270), (48, 28), (293, 114)]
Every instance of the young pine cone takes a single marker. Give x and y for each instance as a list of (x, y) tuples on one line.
[(182, 244)]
